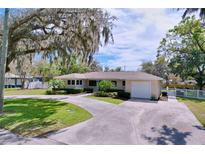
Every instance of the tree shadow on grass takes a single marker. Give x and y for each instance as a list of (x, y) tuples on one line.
[(29, 115), (168, 136)]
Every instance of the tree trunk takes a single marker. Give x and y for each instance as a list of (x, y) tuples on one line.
[(200, 83), (3, 55), (23, 79), (201, 86)]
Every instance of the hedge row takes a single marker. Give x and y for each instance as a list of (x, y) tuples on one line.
[(108, 93), (179, 86), (120, 94), (69, 91)]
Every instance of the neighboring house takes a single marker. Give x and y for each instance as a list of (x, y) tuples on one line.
[(12, 81), (139, 84), (15, 81)]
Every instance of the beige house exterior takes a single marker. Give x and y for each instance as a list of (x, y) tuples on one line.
[(138, 84)]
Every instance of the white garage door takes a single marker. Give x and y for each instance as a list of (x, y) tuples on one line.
[(141, 89)]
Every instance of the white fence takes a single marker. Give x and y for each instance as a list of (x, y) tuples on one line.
[(200, 94), (36, 85)]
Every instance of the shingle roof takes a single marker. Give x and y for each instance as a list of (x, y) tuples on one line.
[(111, 75)]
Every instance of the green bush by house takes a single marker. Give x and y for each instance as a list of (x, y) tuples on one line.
[(105, 85), (55, 83), (105, 94), (123, 94), (55, 91)]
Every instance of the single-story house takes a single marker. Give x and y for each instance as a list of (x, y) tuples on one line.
[(139, 84)]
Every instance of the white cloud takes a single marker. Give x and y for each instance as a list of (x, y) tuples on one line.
[(137, 36)]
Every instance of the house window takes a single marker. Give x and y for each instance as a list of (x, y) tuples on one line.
[(114, 83), (68, 82), (123, 83), (92, 83), (73, 82), (81, 82), (77, 82)]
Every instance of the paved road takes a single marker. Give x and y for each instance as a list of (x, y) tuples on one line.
[(133, 122)]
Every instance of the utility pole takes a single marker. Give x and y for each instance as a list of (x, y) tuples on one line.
[(3, 57)]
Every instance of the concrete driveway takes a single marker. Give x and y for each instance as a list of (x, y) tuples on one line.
[(133, 122), (137, 122)]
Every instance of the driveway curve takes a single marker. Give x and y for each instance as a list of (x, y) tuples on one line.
[(132, 122)]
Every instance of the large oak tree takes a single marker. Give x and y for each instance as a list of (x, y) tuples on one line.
[(58, 33)]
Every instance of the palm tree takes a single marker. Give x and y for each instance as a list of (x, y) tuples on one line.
[(194, 10), (3, 55)]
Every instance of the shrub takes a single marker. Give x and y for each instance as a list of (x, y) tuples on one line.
[(88, 90), (180, 86), (105, 85), (105, 94), (55, 83), (101, 94), (67, 90), (114, 90), (123, 94), (50, 92), (74, 91), (112, 94)]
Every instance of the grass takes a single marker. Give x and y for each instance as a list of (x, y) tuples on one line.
[(34, 117), (197, 106), (17, 91), (108, 99)]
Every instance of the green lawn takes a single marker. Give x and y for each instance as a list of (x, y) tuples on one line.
[(108, 99), (17, 91), (33, 117), (197, 106)]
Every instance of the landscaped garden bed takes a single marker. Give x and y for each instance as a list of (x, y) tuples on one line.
[(109, 94), (34, 117)]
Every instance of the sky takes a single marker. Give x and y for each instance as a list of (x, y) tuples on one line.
[(137, 34)]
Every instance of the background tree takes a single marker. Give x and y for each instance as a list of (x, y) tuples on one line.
[(58, 33), (46, 70), (49, 70), (117, 69), (159, 68), (189, 11), (77, 67), (148, 67), (96, 67), (184, 47), (106, 69)]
